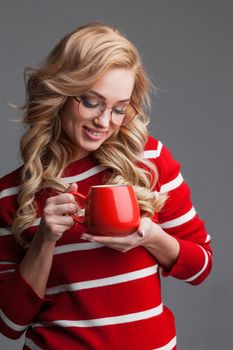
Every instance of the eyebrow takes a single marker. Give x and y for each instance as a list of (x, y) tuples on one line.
[(104, 98)]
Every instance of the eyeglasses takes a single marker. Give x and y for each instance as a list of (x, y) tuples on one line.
[(92, 107)]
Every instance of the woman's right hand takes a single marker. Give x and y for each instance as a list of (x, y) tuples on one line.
[(36, 265), (55, 220)]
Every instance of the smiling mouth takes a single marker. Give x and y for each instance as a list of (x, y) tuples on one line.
[(94, 132)]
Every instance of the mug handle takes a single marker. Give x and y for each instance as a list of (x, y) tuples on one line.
[(80, 219)]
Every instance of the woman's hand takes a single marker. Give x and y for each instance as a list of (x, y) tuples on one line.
[(149, 235), (36, 265), (140, 237), (54, 221)]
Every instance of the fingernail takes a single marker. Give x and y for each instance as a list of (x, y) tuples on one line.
[(84, 238), (87, 238), (141, 233)]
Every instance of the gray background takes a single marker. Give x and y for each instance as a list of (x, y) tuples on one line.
[(187, 49)]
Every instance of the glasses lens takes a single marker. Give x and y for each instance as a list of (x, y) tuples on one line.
[(122, 115), (90, 107), (130, 113)]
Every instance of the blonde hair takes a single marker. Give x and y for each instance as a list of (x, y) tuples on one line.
[(71, 69)]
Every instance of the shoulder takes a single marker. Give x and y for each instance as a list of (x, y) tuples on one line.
[(155, 150), (159, 154), (9, 187), (10, 180)]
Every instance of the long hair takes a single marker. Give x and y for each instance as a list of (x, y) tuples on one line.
[(71, 69)]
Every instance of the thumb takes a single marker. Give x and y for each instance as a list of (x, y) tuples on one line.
[(144, 227), (73, 187)]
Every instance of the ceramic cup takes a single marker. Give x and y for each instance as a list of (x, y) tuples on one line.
[(110, 210)]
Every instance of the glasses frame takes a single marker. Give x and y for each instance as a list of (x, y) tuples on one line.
[(80, 98)]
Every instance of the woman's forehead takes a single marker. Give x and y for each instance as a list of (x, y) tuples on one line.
[(116, 84)]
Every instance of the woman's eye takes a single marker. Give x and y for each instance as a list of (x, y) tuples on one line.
[(119, 110), (90, 103)]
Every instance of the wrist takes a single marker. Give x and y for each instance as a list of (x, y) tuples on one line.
[(42, 241), (163, 247)]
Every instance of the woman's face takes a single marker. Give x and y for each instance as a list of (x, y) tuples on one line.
[(87, 134)]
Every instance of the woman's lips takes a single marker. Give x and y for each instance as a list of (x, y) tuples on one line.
[(94, 134)]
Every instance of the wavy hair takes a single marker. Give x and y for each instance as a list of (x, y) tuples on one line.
[(71, 69)]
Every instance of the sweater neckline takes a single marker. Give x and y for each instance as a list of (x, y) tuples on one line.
[(80, 165)]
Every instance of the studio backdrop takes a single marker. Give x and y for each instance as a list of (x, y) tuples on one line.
[(186, 46)]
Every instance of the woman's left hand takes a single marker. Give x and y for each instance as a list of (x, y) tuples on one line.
[(141, 237), (149, 235)]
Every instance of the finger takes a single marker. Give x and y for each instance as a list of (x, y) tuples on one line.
[(73, 187), (99, 239), (122, 244), (61, 199), (60, 209), (106, 239), (62, 220), (65, 220), (67, 208), (144, 227)]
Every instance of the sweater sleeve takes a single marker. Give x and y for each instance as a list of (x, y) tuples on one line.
[(19, 304), (179, 218)]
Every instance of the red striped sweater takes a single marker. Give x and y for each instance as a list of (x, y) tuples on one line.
[(98, 298)]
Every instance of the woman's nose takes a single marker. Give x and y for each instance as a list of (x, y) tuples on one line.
[(104, 119)]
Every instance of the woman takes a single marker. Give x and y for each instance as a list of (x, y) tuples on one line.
[(86, 126)]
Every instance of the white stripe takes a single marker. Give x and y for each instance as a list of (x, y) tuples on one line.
[(68, 248), (36, 222), (10, 324), (172, 185), (30, 344), (168, 346), (85, 175), (180, 220), (9, 192), (101, 282), (93, 171), (106, 321), (5, 232), (202, 270), (4, 262), (6, 271), (148, 154), (208, 239)]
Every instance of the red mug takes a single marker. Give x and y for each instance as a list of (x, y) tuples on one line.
[(110, 210)]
